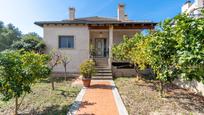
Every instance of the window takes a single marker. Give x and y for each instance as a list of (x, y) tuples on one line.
[(66, 42)]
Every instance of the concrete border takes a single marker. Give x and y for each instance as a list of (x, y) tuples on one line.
[(75, 106), (119, 103)]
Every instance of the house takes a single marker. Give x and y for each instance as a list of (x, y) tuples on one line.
[(193, 8), (74, 36)]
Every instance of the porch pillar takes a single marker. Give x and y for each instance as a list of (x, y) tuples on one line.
[(110, 46)]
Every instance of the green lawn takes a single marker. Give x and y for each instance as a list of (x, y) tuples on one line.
[(142, 98), (43, 100)]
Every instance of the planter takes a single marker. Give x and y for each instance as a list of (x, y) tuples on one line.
[(86, 82)]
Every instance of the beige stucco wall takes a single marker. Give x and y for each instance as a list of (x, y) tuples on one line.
[(82, 36), (80, 52), (118, 35)]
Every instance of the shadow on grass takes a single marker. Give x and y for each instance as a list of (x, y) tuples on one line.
[(51, 110), (56, 79), (184, 98)]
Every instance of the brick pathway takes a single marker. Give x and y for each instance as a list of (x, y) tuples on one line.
[(98, 100)]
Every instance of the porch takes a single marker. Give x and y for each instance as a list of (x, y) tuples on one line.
[(102, 39)]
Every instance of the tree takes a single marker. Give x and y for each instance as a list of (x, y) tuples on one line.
[(190, 45), (65, 61), (132, 50), (175, 50), (30, 42), (55, 59), (8, 35), (121, 52), (18, 72), (162, 51), (140, 55)]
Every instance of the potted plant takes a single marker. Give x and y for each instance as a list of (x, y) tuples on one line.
[(87, 69)]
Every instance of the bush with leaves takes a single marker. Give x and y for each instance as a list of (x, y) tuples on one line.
[(87, 68), (19, 71)]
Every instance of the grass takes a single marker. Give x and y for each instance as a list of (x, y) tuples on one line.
[(44, 101), (142, 98)]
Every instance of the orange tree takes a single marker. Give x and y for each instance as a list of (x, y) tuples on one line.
[(18, 72), (175, 50)]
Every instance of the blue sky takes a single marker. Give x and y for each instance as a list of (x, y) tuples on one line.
[(23, 13)]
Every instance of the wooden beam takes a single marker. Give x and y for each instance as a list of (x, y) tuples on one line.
[(123, 26)]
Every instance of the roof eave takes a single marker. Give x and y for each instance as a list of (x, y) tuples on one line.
[(88, 23)]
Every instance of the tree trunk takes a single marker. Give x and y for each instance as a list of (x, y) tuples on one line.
[(161, 88), (137, 76), (16, 106), (52, 82), (65, 70)]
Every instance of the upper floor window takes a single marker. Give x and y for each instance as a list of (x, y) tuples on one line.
[(66, 41)]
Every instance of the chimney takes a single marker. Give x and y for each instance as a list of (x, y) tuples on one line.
[(121, 12), (186, 6), (71, 13), (126, 17)]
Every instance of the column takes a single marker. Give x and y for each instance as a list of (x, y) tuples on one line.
[(110, 46)]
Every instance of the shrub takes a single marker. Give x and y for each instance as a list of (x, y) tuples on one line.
[(87, 69)]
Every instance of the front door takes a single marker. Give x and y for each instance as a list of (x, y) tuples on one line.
[(100, 47)]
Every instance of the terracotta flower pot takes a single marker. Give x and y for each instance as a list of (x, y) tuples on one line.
[(86, 82)]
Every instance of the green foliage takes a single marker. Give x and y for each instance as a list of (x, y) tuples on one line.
[(190, 53), (19, 71), (30, 42), (121, 52), (87, 69), (139, 55), (162, 51), (8, 35), (175, 50)]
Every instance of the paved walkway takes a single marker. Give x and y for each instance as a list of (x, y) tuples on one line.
[(102, 98), (98, 100)]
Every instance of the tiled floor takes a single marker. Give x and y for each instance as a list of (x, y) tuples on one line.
[(98, 100)]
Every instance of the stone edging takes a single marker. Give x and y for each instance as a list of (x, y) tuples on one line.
[(75, 106), (119, 103)]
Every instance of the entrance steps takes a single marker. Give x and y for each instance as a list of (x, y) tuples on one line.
[(101, 62), (103, 73)]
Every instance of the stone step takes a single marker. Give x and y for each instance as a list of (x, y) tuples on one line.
[(103, 71), (102, 67), (102, 77), (103, 74)]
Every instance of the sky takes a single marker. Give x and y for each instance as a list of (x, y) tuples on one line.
[(23, 13)]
